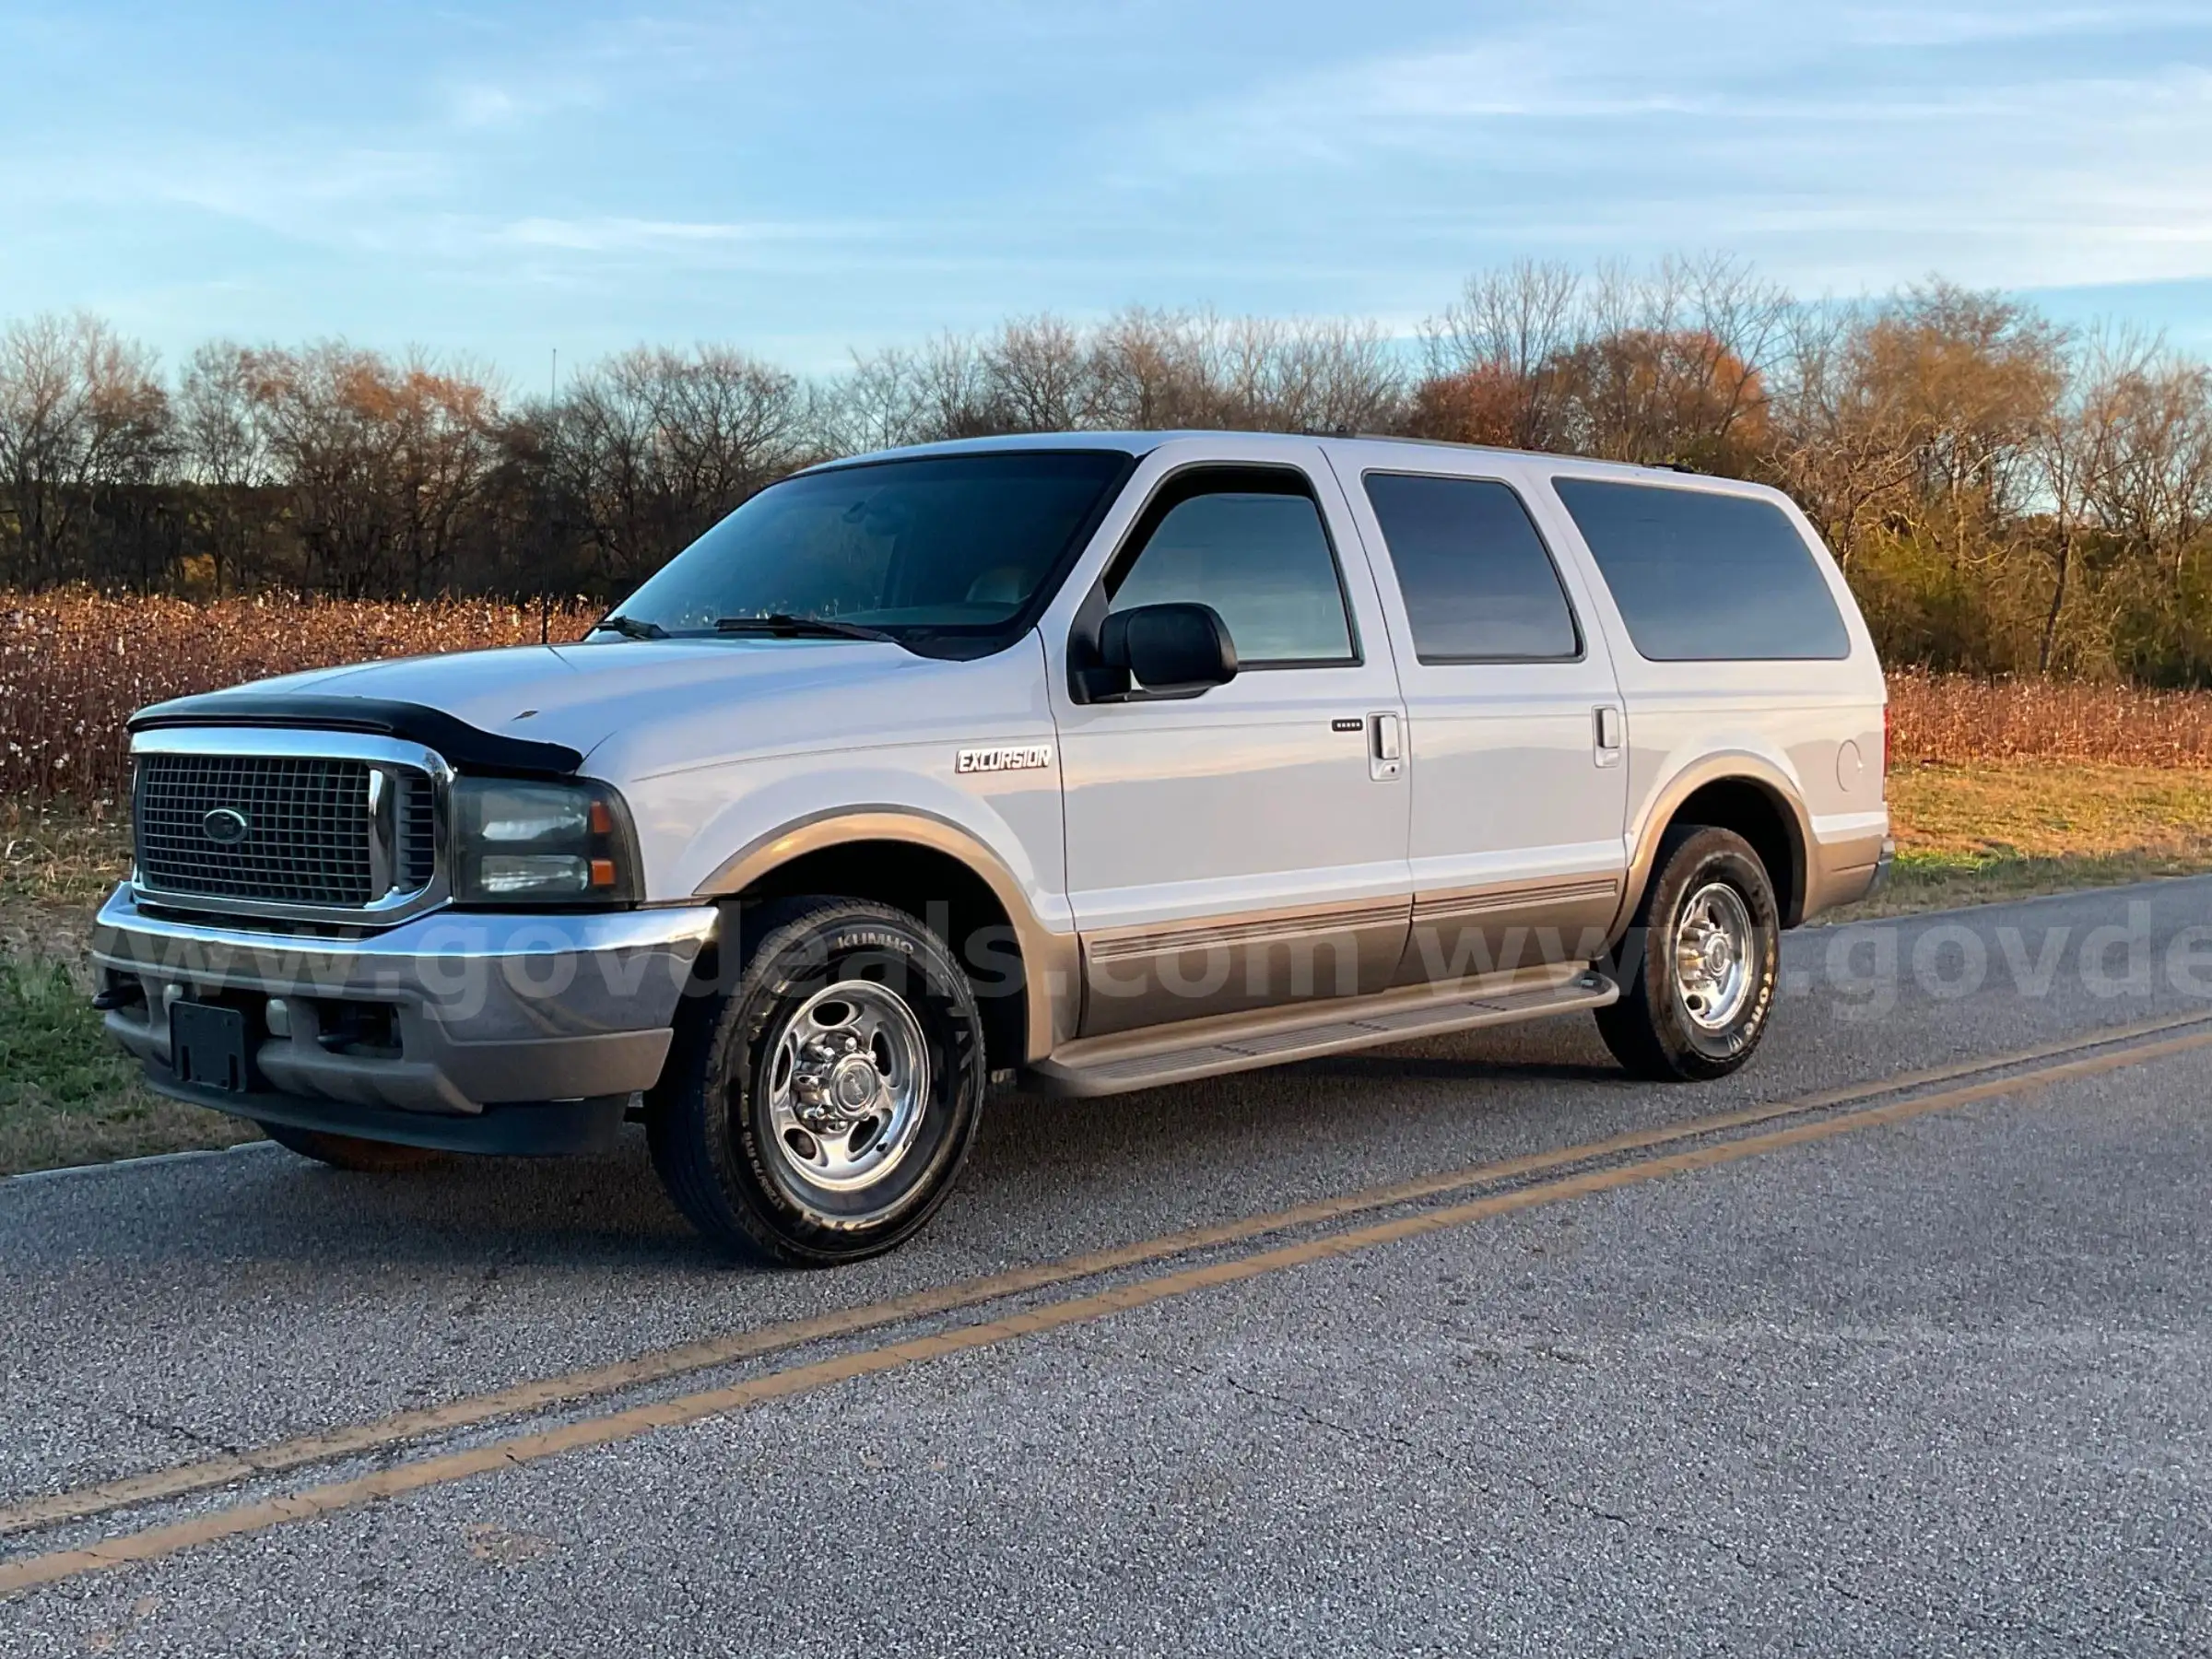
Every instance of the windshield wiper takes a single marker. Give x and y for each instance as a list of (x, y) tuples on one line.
[(801, 628), (630, 628)]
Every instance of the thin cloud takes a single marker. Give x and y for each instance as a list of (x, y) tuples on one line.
[(841, 170), (610, 235), (1921, 27), (1768, 139)]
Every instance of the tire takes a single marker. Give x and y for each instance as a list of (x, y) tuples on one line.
[(817, 1110), (1671, 1025), (350, 1152)]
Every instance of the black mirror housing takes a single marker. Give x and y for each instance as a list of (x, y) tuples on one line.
[(1169, 648)]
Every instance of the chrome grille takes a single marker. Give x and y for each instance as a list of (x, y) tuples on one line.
[(415, 863), (309, 837)]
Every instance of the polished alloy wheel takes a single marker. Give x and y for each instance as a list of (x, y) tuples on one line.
[(848, 1086), (1713, 956)]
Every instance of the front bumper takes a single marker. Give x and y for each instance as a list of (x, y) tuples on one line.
[(475, 1030)]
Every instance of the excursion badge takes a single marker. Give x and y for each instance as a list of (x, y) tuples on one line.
[(1020, 758)]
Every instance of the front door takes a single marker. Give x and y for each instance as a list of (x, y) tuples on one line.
[(1518, 740), (1245, 847)]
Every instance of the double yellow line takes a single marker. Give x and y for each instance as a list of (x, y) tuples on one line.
[(2045, 1066)]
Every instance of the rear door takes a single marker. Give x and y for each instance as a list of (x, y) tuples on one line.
[(1245, 847), (1516, 732)]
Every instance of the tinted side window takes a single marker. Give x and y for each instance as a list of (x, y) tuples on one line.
[(1479, 584), (1262, 559), (1700, 577)]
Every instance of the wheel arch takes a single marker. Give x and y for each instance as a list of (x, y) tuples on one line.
[(1740, 791), (916, 861)]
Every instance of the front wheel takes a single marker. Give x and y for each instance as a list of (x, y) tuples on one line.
[(817, 1110), (1699, 966)]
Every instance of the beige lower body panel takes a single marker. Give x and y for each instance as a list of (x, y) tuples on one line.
[(1842, 872), (1137, 979), (1482, 931)]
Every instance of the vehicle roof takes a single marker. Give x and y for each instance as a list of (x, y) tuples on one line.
[(1139, 443)]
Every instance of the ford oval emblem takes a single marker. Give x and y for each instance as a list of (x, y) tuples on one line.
[(225, 827)]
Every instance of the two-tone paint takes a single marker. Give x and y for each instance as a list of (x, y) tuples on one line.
[(1138, 845)]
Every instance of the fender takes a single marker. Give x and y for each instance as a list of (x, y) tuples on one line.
[(1050, 961), (1727, 766)]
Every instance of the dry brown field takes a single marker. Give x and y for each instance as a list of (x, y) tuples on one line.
[(73, 666), (1960, 720)]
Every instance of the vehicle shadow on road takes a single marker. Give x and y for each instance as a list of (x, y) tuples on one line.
[(1047, 1175), (1383, 1068)]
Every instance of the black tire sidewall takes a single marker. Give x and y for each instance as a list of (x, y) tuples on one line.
[(829, 943), (1697, 858)]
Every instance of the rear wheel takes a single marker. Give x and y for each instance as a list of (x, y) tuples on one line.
[(818, 1109), (1699, 966), (350, 1152)]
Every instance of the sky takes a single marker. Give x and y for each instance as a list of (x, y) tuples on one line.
[(804, 178)]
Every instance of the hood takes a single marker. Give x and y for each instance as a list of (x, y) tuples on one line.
[(577, 696)]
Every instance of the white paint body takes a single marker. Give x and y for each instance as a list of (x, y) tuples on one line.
[(1240, 802)]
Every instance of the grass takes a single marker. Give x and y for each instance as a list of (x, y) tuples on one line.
[(1994, 831), (60, 851), (57, 862), (1967, 834), (69, 1096)]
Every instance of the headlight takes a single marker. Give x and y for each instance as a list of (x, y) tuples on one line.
[(520, 843)]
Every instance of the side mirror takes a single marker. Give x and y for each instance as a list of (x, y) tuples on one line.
[(1170, 649)]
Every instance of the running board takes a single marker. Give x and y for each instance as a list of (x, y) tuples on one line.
[(1336, 1032)]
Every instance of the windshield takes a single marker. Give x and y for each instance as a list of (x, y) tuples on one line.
[(944, 551)]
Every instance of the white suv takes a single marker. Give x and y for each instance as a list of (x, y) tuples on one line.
[(1090, 761)]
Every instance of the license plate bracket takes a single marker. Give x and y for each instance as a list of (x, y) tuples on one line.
[(207, 1045)]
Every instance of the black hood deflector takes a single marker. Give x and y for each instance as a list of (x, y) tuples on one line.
[(467, 748)]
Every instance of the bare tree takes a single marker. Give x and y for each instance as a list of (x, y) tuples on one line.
[(2157, 495), (82, 414), (379, 462), (223, 450), (1153, 371), (1977, 376), (1501, 341), (654, 446), (1327, 375), (1036, 371), (2001, 494), (880, 404), (728, 424), (1671, 365), (445, 450), (2078, 446), (1845, 443), (959, 398)]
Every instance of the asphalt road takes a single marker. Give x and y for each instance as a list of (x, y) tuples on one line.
[(1926, 1369)]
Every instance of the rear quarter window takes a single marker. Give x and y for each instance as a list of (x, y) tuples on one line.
[(1704, 577)]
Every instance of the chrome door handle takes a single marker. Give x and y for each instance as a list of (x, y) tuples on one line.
[(1610, 734), (1386, 748)]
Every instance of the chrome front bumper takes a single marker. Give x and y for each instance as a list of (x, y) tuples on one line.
[(478, 1017)]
